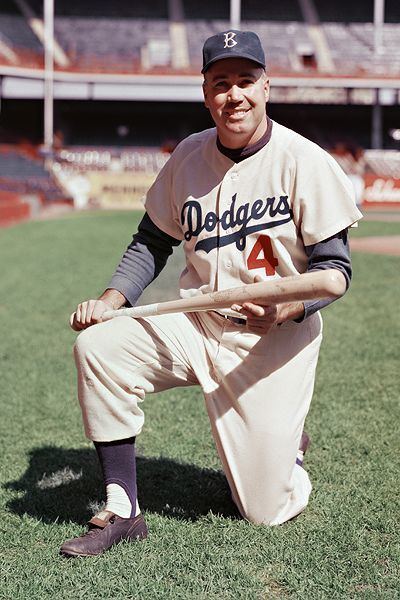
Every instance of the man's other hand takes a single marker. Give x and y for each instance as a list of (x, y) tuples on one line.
[(262, 317)]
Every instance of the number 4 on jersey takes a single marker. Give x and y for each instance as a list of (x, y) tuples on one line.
[(268, 261)]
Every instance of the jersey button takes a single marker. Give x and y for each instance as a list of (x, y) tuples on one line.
[(228, 264), (234, 175)]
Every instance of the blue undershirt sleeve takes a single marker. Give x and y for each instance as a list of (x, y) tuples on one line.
[(143, 260), (332, 253)]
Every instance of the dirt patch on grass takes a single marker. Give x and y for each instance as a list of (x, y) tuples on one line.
[(389, 244), (384, 217)]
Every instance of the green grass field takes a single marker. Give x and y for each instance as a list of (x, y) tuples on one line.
[(345, 545)]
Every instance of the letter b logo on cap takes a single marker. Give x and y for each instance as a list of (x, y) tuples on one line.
[(230, 39), (223, 45)]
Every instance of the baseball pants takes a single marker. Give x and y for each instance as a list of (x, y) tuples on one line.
[(257, 391)]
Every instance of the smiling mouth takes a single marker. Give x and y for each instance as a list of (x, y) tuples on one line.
[(237, 114)]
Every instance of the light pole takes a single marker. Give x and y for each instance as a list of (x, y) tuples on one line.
[(235, 14), (48, 75), (379, 17)]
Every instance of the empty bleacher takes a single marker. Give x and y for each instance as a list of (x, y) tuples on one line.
[(15, 165), (352, 48), (21, 173), (16, 32), (20, 45), (283, 42), (106, 42)]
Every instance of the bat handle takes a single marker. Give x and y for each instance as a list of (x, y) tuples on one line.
[(135, 312)]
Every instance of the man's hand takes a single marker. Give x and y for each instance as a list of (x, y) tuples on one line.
[(90, 312), (261, 318)]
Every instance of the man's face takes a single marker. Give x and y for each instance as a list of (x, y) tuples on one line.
[(235, 93)]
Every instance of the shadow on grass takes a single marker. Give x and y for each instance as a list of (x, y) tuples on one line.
[(61, 485)]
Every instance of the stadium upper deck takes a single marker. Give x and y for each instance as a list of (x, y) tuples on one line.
[(162, 36)]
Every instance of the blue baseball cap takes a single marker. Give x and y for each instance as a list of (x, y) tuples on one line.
[(233, 44)]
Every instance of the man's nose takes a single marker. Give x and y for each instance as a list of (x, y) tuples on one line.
[(235, 94)]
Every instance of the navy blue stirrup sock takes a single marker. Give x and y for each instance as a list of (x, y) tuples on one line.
[(118, 463)]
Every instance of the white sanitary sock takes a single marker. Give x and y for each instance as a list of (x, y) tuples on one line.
[(118, 501)]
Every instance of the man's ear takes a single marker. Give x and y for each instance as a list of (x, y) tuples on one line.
[(266, 89), (205, 93)]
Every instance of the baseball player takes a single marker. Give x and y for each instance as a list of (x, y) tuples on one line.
[(250, 200)]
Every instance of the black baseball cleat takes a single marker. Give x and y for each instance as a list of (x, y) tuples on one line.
[(105, 530), (304, 442)]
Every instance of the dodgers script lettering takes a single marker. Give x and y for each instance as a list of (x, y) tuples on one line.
[(241, 216)]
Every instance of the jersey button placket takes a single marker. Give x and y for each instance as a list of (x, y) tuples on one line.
[(228, 189), (224, 202)]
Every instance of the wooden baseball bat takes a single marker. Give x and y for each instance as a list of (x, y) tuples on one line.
[(308, 286)]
